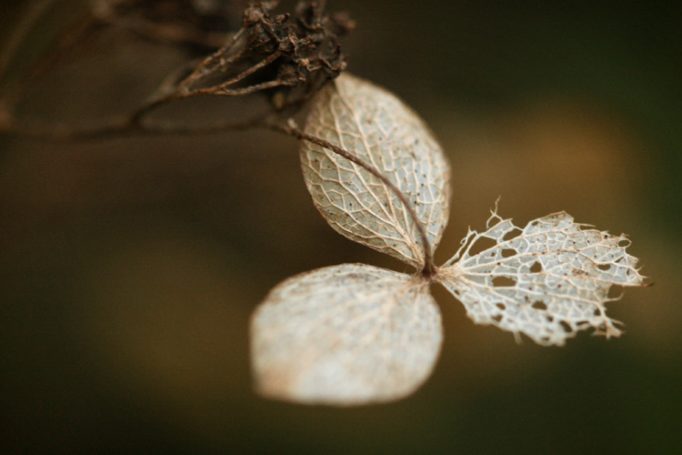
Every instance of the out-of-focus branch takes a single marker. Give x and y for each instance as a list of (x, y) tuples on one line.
[(288, 57), (70, 39), (123, 128), (165, 32), (26, 23), (134, 123), (128, 127)]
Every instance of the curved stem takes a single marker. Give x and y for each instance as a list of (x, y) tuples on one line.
[(219, 58), (250, 70), (172, 34), (134, 124), (429, 267), (243, 90)]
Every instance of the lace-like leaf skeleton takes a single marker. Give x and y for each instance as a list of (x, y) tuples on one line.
[(353, 333)]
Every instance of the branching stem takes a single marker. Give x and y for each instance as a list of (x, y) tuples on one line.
[(136, 123), (135, 126)]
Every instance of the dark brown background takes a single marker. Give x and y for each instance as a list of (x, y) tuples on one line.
[(129, 267)]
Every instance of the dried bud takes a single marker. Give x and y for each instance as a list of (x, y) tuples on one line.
[(286, 56)]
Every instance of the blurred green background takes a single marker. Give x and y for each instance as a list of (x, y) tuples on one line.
[(129, 267)]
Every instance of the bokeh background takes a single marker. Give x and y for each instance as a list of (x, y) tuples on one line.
[(129, 267)]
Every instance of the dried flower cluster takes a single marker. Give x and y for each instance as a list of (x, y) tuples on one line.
[(289, 56)]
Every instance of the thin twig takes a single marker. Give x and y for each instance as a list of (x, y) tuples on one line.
[(105, 13), (135, 124), (242, 91), (127, 127), (122, 128), (207, 65), (69, 40), (164, 33), (137, 116), (250, 70)]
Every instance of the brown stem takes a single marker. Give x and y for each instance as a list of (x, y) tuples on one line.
[(68, 41), (138, 115), (171, 34), (250, 70), (127, 127), (241, 91), (218, 58), (429, 267), (105, 13), (134, 124)]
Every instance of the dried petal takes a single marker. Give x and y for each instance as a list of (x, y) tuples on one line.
[(378, 128), (344, 335), (547, 281)]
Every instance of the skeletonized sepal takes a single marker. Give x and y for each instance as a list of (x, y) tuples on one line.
[(344, 335), (548, 280), (379, 129)]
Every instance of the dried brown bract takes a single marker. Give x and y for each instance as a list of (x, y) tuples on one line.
[(288, 56), (199, 26)]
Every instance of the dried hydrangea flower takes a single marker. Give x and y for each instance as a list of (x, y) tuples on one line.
[(354, 334)]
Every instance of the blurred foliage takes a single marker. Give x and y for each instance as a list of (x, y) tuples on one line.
[(130, 267)]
